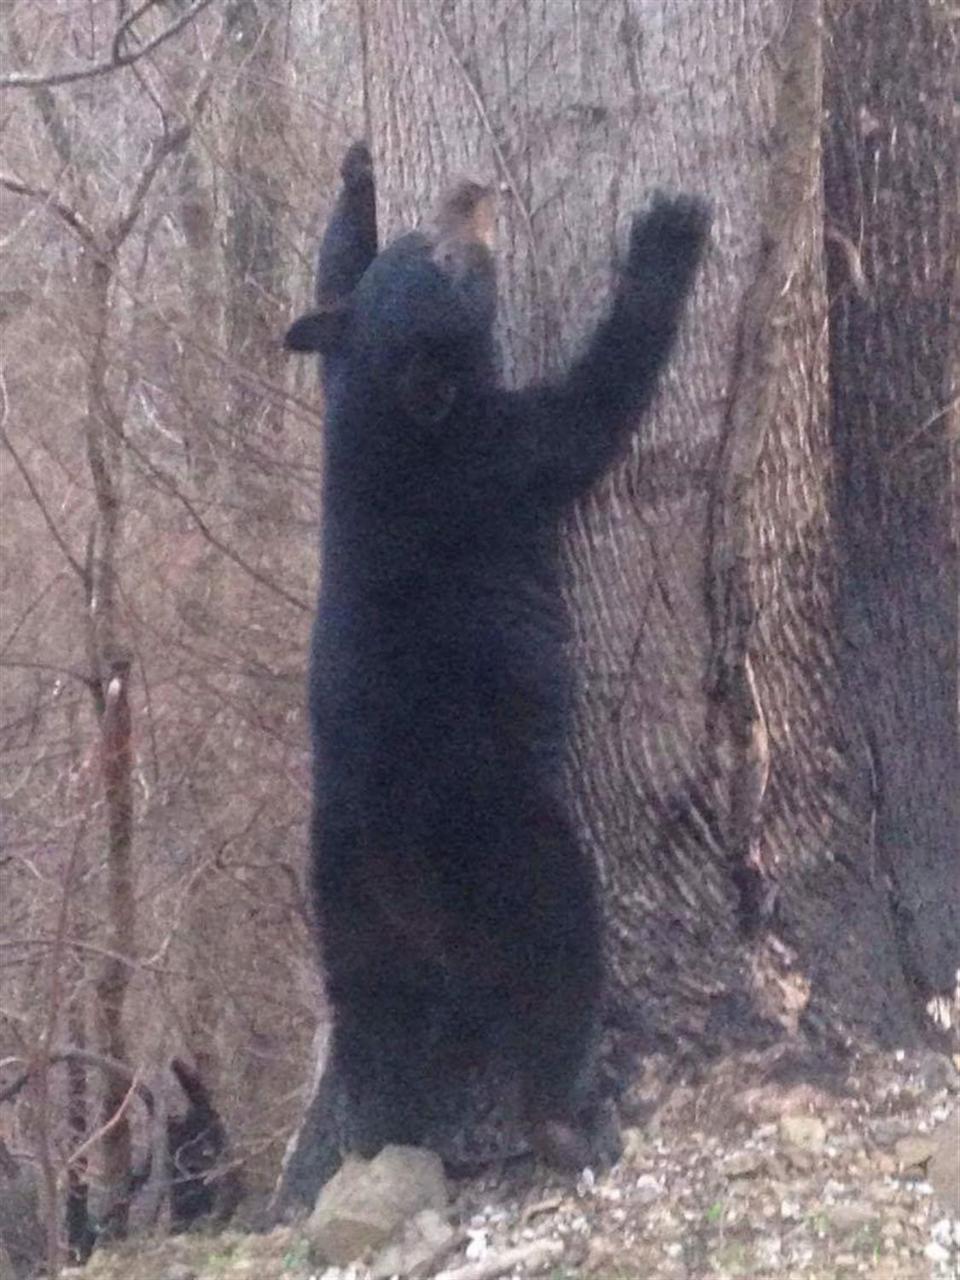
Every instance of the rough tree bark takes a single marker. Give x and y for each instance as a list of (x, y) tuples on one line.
[(722, 772), (892, 184), (677, 746)]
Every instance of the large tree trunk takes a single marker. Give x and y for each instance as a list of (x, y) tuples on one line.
[(723, 775), (892, 182), (692, 566)]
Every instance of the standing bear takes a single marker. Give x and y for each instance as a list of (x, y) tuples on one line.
[(458, 913)]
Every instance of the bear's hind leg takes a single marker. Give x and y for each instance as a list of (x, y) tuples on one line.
[(381, 1051)]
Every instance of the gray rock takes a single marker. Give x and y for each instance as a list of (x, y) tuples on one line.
[(943, 1170), (848, 1219), (180, 1271), (803, 1133), (914, 1150), (634, 1144), (889, 1129), (744, 1164), (366, 1201), (799, 1160), (938, 1072), (426, 1240)]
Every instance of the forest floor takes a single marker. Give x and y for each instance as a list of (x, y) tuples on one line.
[(851, 1177)]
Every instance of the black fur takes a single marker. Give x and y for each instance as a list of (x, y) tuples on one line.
[(196, 1149), (458, 914), (201, 1182)]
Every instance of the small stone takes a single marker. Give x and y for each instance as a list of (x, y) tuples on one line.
[(947, 1232), (768, 1253), (893, 1269), (847, 1219), (648, 1188), (601, 1254), (944, 1167), (888, 1129), (478, 1244), (805, 1133), (180, 1271), (744, 1164), (914, 1150), (634, 1144), (799, 1160), (935, 1252)]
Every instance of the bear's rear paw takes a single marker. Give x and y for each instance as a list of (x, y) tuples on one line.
[(593, 1140)]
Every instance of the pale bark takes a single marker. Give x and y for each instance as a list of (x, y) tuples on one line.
[(694, 742)]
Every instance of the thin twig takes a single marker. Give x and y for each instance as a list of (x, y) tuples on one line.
[(165, 145), (55, 533), (126, 25), (52, 79), (70, 216)]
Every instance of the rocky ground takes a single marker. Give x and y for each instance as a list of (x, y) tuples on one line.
[(853, 1176)]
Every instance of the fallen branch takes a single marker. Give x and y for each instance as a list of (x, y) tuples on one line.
[(534, 1256)]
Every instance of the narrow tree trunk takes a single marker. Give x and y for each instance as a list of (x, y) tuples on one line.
[(111, 665), (78, 1104), (255, 280), (201, 597), (112, 987)]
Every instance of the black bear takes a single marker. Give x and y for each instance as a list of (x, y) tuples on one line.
[(458, 914), (201, 1182)]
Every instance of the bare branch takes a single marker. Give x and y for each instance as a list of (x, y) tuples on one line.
[(173, 489), (109, 1125), (55, 533), (44, 100), (117, 59), (160, 148), (126, 26), (69, 1054), (534, 1255), (31, 607), (163, 146), (74, 221)]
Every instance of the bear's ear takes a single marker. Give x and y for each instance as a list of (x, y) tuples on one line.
[(317, 331)]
